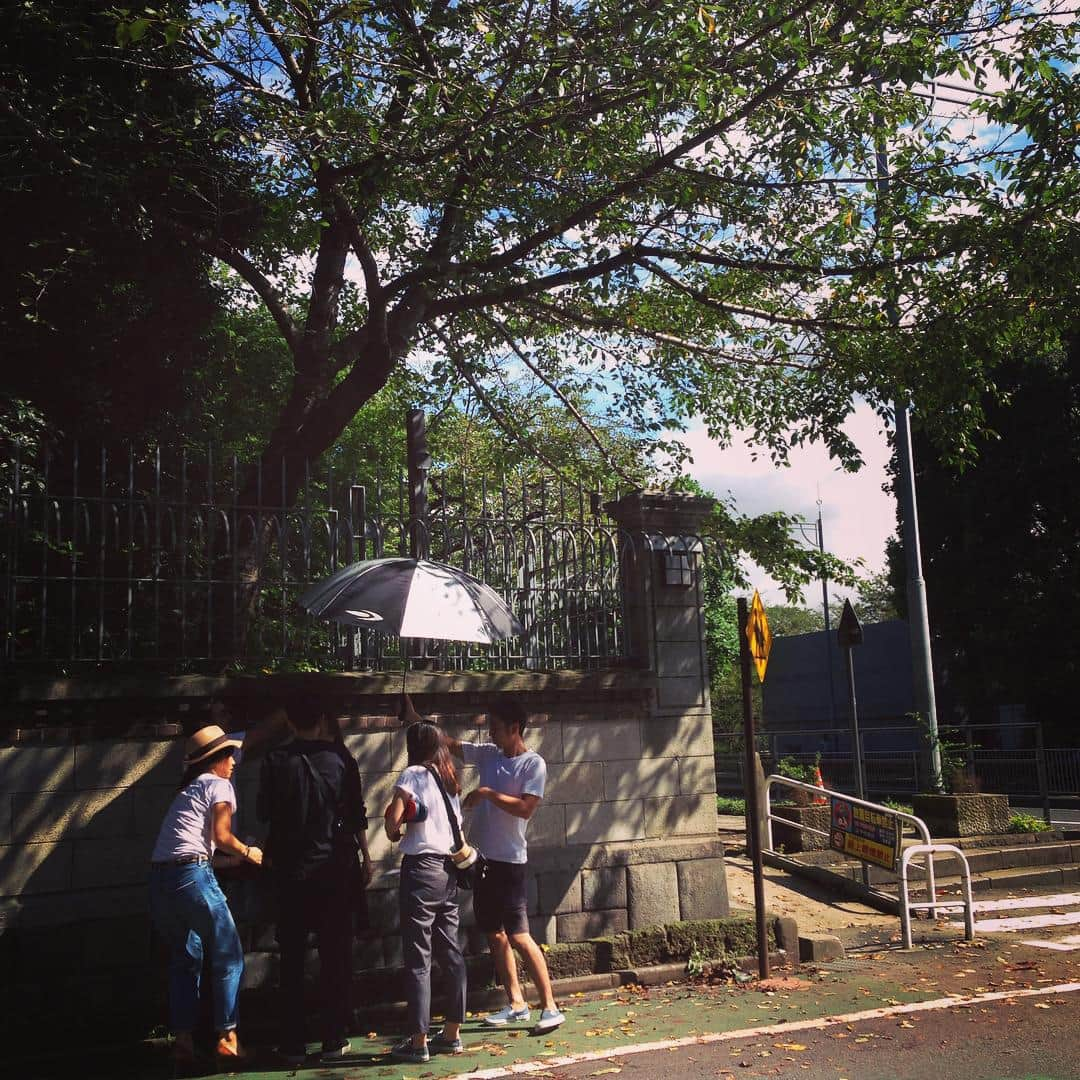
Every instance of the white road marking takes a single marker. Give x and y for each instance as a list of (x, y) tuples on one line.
[(544, 1064), (1014, 904), (1058, 946), (1024, 922)]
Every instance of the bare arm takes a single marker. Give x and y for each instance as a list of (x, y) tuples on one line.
[(224, 839), (522, 806), (409, 715), (271, 729), (394, 815)]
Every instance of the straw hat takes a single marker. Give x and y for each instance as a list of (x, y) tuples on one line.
[(206, 741)]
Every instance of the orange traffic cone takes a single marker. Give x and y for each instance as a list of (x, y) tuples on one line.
[(819, 783)]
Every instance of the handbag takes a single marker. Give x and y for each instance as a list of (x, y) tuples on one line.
[(469, 864)]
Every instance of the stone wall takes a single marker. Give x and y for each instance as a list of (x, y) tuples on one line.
[(625, 837)]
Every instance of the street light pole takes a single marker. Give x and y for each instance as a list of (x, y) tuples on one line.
[(918, 615)]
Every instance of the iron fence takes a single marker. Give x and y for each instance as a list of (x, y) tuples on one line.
[(1018, 765), (150, 560)]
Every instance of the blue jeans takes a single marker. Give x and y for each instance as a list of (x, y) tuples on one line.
[(191, 913)]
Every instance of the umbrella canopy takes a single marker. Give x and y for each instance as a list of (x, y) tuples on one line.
[(413, 598)]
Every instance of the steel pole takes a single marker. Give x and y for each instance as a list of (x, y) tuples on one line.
[(752, 793), (828, 621), (918, 616)]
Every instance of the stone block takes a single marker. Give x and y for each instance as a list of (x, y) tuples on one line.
[(121, 764), (793, 838), (786, 931), (373, 751), (104, 863), (260, 970), (35, 868), (687, 735), (383, 909), (819, 948), (544, 929), (963, 815), (640, 778), (684, 815), (399, 754), (560, 892), (684, 623), (601, 823), (55, 907), (37, 768), (697, 776), (61, 815), (601, 740), (115, 943), (392, 955), (149, 806), (547, 740), (378, 791), (652, 893), (548, 826), (680, 691), (603, 888), (591, 924), (703, 889), (679, 658), (574, 782)]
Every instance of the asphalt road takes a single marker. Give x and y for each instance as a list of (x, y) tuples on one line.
[(1020, 1040)]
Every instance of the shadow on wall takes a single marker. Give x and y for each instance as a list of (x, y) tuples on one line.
[(78, 823)]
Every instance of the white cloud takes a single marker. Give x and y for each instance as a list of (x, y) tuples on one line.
[(857, 515)]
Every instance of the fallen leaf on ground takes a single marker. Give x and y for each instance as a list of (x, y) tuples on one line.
[(602, 1072), (789, 1046)]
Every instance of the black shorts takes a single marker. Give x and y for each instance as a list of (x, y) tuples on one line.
[(501, 899)]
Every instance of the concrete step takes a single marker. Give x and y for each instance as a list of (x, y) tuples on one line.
[(1065, 877)]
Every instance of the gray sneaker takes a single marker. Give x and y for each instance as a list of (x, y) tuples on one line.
[(405, 1051), (440, 1044), (549, 1020), (508, 1015)]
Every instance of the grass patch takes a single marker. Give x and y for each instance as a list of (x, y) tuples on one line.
[(727, 805), (1027, 823)]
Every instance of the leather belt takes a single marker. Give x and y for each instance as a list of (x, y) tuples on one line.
[(182, 860)]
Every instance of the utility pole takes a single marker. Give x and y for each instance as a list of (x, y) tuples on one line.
[(918, 615), (825, 612)]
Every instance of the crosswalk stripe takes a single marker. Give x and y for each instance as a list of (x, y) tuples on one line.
[(1016, 903), (1025, 922)]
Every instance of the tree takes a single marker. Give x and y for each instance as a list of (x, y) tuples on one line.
[(654, 207), (1001, 550), (105, 311)]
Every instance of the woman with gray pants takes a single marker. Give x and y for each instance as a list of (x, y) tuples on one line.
[(428, 897)]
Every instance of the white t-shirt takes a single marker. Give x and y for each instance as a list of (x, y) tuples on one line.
[(433, 835), (188, 827), (499, 835)]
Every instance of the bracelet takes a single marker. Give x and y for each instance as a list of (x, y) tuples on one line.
[(247, 850)]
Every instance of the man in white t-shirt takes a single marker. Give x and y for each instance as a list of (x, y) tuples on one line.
[(512, 780)]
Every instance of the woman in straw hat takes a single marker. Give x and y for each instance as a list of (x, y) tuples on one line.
[(187, 905)]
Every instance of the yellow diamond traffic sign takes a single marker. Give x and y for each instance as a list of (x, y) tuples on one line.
[(759, 635)]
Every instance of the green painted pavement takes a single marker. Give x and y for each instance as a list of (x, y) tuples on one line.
[(619, 1018)]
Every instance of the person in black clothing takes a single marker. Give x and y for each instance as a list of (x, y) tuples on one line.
[(311, 795)]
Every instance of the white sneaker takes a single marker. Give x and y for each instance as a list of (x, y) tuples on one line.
[(549, 1020), (508, 1014)]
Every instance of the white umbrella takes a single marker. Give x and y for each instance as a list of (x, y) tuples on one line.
[(413, 598)]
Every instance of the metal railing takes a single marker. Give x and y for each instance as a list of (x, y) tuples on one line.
[(917, 825), (148, 561), (928, 851), (1028, 770)]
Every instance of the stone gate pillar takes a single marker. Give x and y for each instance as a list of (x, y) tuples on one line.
[(663, 600)]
